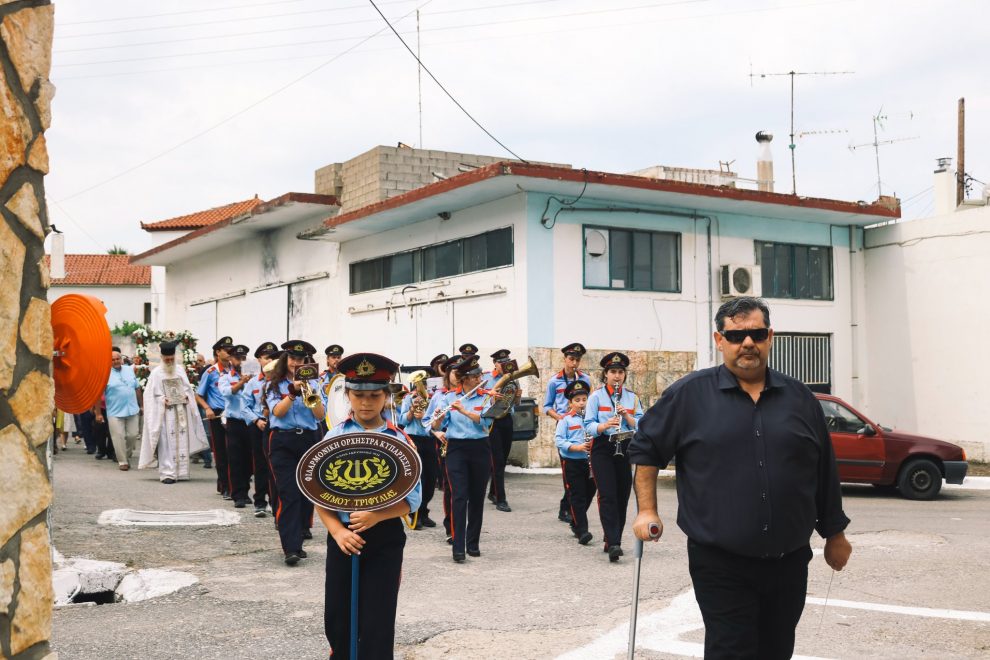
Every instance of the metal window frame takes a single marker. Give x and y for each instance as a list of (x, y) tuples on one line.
[(757, 251), (678, 244)]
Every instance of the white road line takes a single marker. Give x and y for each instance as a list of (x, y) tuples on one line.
[(932, 613)]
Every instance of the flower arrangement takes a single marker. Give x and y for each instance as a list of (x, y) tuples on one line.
[(186, 350)]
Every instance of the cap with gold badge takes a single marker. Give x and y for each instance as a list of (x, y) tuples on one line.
[(266, 349), (468, 349), (298, 348), (224, 343), (576, 387), (574, 350), (615, 360), (335, 350), (367, 371)]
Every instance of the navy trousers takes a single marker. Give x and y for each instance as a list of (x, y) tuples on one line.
[(294, 512), (468, 468)]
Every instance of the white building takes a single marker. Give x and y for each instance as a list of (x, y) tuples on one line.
[(532, 257), (924, 283), (124, 288)]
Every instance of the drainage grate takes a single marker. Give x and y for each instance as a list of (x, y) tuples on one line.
[(168, 518)]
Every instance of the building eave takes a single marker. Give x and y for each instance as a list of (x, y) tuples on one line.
[(280, 212)]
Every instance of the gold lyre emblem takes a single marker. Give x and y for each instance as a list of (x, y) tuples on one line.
[(357, 475), (364, 369)]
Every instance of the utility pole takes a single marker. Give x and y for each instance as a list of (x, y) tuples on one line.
[(792, 146), (961, 154), (878, 120), (419, 81)]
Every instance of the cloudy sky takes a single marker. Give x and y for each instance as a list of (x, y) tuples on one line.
[(170, 107)]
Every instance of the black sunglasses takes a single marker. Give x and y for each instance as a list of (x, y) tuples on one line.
[(739, 336)]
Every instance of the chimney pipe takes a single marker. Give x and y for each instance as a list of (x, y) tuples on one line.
[(764, 163)]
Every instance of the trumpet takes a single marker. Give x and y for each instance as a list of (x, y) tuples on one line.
[(310, 397), (304, 374)]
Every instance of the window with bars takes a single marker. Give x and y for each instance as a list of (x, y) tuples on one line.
[(491, 249), (795, 271), (631, 259), (807, 357)]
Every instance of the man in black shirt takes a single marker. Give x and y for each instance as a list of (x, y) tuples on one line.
[(756, 476)]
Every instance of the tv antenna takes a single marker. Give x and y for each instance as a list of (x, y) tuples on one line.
[(878, 120), (792, 74)]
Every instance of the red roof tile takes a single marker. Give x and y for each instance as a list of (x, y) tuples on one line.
[(202, 218), (102, 270)]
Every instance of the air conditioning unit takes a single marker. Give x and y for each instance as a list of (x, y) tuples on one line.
[(740, 280)]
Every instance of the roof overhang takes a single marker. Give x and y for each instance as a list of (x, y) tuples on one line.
[(503, 179), (280, 212)]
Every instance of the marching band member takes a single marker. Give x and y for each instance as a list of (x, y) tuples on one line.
[(239, 416), (574, 446), (437, 402), (254, 392), (500, 437), (468, 458), (467, 349), (294, 430), (555, 404), (375, 535), (411, 417), (212, 402), (333, 353), (612, 409)]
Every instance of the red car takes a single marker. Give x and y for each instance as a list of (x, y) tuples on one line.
[(868, 453)]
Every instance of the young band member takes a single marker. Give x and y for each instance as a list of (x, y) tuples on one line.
[(612, 409), (437, 402), (377, 536), (333, 353), (239, 416), (254, 393), (212, 402), (555, 404), (468, 458), (500, 437), (411, 418), (294, 430), (467, 349), (574, 445)]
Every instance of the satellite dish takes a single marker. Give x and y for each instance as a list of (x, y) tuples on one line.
[(595, 243), (81, 358)]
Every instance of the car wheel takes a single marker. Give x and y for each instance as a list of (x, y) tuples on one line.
[(920, 480)]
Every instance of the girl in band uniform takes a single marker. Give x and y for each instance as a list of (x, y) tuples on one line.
[(612, 409), (377, 536)]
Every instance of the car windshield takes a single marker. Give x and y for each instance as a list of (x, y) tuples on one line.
[(840, 419)]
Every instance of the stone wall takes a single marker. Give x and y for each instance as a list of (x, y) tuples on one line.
[(26, 389), (649, 374)]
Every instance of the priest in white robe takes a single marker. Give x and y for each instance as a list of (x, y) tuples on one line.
[(172, 431)]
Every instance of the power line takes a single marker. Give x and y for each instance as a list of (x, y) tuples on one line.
[(440, 85), (233, 116), (596, 27), (177, 13), (78, 225), (296, 44)]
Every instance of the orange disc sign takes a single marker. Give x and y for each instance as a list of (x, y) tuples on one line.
[(81, 362)]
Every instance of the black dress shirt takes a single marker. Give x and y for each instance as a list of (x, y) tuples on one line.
[(752, 479)]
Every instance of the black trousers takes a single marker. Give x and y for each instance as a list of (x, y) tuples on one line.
[(238, 458), (442, 484), (468, 468), (500, 438), (218, 443), (101, 437), (750, 606), (294, 512), (378, 593), (266, 444), (426, 448), (259, 463), (614, 482), (580, 490)]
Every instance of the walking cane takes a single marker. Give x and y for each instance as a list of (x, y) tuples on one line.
[(355, 581), (638, 557)]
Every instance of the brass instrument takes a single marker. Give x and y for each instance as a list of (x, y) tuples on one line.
[(417, 380), (504, 391), (304, 374), (398, 392)]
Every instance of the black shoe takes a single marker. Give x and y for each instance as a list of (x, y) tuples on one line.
[(168, 481), (503, 506), (458, 557), (307, 535), (292, 558), (207, 466), (259, 511), (491, 497), (564, 516), (474, 553), (418, 526), (100, 457), (585, 538), (90, 452), (225, 495), (614, 553), (240, 504), (427, 522), (302, 554), (450, 540)]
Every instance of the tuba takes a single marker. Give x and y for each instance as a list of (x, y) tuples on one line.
[(503, 393)]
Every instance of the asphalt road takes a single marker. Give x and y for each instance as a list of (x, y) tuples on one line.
[(916, 585)]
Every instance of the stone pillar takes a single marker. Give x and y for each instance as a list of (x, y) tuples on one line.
[(26, 389)]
